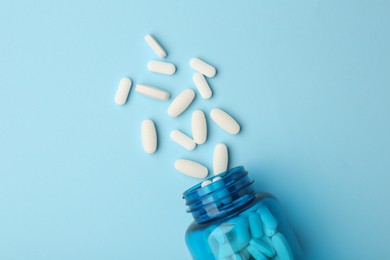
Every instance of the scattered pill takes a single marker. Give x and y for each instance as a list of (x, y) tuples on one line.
[(123, 91), (161, 67), (199, 127), (156, 47), (282, 248), (262, 247), (191, 168), (149, 136), (216, 179), (202, 85), (152, 92), (220, 159), (202, 67), (225, 121), (183, 140), (269, 221), (205, 183), (181, 102), (255, 225)]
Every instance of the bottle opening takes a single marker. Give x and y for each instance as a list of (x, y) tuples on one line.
[(233, 190)]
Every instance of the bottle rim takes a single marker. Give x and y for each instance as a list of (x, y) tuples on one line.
[(234, 189)]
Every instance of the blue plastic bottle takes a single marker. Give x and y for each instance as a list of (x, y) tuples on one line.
[(232, 221)]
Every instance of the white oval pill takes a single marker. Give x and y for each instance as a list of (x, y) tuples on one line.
[(202, 85), (220, 159), (156, 47), (123, 91), (205, 183), (202, 67), (161, 67), (152, 92), (191, 168), (216, 179), (149, 136), (181, 102), (199, 127), (225, 121), (183, 140)]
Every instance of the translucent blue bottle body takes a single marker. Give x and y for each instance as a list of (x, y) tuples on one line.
[(232, 221)]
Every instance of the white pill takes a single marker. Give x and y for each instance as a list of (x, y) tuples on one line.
[(123, 91), (161, 67), (220, 159), (202, 67), (202, 85), (156, 47), (191, 168), (183, 140), (199, 127), (181, 102), (216, 179), (225, 121), (205, 183), (152, 92), (149, 136)]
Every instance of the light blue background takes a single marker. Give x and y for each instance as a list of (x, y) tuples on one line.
[(307, 80)]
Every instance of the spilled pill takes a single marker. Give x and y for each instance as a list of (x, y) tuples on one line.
[(225, 121), (202, 67), (191, 168), (123, 91), (220, 159), (202, 86), (149, 136), (181, 102), (161, 67), (156, 47), (152, 92), (199, 127), (183, 140)]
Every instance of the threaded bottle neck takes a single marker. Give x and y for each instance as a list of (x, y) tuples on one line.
[(220, 198)]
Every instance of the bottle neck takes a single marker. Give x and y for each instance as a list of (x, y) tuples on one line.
[(220, 198)]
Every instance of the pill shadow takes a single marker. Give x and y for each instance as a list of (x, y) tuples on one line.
[(158, 135)]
